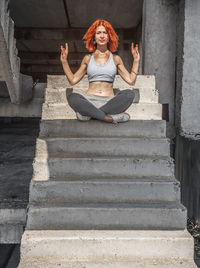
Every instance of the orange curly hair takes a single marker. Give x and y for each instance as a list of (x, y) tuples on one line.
[(89, 36)]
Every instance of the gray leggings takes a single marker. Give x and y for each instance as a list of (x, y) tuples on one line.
[(115, 105)]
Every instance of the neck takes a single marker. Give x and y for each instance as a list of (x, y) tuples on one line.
[(101, 49)]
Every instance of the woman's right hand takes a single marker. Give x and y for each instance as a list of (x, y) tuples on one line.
[(64, 53)]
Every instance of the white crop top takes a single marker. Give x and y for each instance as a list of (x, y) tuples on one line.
[(104, 72)]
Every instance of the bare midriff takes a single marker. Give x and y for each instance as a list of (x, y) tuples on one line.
[(99, 88)]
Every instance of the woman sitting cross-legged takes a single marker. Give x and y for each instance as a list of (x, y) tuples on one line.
[(99, 102)]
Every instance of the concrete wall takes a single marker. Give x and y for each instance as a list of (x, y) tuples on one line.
[(187, 106), (188, 172), (125, 39), (159, 47)]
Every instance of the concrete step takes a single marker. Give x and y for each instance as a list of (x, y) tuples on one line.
[(11, 233), (49, 263), (93, 128), (137, 111), (12, 215), (105, 190), (107, 146), (103, 167), (118, 216), (12, 223), (143, 81), (32, 108), (97, 249), (58, 95)]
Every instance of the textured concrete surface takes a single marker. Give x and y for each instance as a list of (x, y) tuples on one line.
[(31, 108), (47, 12), (131, 216), (6, 252), (105, 167), (11, 233), (10, 63), (187, 106), (137, 111), (143, 81), (102, 147), (14, 258), (190, 109), (135, 264), (187, 172), (74, 128), (159, 47), (17, 148), (26, 91), (56, 214), (105, 246), (107, 190)]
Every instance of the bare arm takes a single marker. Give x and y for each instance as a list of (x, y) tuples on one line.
[(130, 78), (78, 75)]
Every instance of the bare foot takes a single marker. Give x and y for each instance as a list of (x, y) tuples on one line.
[(108, 119)]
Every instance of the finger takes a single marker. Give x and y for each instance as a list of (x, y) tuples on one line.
[(66, 45), (62, 49)]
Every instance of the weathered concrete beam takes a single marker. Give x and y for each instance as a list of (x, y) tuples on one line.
[(68, 34), (50, 46), (49, 34), (45, 68), (5, 68), (38, 55), (36, 13)]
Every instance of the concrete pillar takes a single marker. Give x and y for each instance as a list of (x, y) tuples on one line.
[(11, 81), (159, 47), (188, 102), (187, 106)]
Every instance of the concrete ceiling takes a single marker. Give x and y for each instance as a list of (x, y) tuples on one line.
[(75, 13)]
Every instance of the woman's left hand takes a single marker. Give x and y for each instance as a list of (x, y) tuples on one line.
[(135, 52)]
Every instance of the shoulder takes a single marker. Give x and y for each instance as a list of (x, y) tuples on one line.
[(86, 59), (117, 59)]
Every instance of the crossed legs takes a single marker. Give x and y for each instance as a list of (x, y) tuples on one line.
[(116, 105)]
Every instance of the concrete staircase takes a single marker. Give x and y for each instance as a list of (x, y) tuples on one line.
[(104, 195)]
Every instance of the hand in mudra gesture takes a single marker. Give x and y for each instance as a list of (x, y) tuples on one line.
[(64, 53), (135, 52)]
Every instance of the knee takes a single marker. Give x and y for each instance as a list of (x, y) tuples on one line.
[(72, 98), (129, 93)]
